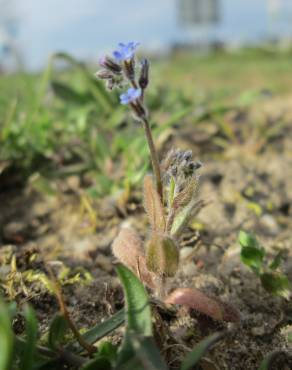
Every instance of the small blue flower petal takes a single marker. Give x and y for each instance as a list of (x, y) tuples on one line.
[(130, 96), (125, 51), (118, 56)]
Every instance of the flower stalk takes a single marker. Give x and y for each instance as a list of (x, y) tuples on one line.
[(154, 158)]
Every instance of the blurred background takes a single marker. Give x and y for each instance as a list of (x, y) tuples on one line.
[(31, 30), (210, 60)]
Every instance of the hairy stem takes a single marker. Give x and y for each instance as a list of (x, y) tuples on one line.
[(154, 158), (161, 289)]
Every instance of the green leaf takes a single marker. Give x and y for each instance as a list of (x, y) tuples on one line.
[(276, 283), (138, 310), (199, 351), (252, 254), (138, 313), (147, 352), (107, 350), (95, 86), (276, 261), (100, 330), (99, 363), (268, 361), (68, 94), (247, 240), (6, 338), (253, 258), (142, 354), (31, 326), (57, 331)]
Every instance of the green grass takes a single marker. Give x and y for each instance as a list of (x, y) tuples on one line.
[(62, 121)]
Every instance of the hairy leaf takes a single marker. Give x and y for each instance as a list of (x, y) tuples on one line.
[(182, 219), (162, 256), (127, 248), (185, 196), (153, 206)]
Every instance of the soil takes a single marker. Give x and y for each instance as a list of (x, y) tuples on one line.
[(248, 185)]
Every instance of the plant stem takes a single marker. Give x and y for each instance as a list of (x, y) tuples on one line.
[(63, 308), (154, 158), (161, 290)]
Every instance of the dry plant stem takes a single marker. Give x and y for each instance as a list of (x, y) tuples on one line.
[(154, 158), (63, 308)]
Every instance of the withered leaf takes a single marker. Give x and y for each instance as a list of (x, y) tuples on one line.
[(199, 301)]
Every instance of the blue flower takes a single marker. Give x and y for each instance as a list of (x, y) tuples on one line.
[(130, 96), (125, 51)]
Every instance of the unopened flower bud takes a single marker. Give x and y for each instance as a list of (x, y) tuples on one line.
[(162, 256), (104, 74), (130, 69), (144, 75), (139, 110), (109, 64)]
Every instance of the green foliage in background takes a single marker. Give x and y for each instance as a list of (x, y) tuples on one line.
[(254, 256), (63, 122)]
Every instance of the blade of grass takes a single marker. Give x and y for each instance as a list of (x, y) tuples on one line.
[(200, 349), (99, 331), (6, 338)]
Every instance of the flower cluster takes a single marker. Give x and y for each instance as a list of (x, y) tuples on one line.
[(179, 166), (120, 70)]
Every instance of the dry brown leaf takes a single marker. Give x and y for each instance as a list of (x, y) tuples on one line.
[(197, 300)]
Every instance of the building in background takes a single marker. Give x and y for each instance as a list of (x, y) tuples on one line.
[(198, 12), (199, 18), (279, 14)]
